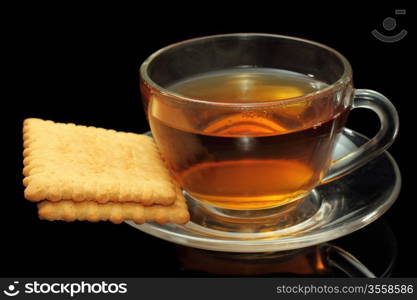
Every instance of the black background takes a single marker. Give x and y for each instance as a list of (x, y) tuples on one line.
[(80, 64)]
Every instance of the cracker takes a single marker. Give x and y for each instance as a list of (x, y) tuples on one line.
[(114, 212), (80, 163)]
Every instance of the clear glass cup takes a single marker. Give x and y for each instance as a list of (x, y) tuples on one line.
[(260, 171)]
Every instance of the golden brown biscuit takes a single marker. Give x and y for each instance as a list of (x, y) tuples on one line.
[(80, 163), (114, 212)]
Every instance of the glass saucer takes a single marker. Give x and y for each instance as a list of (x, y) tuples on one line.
[(330, 211)]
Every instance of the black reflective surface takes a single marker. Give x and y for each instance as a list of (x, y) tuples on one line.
[(81, 66)]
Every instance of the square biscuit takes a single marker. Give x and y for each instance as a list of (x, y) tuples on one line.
[(80, 163), (115, 212)]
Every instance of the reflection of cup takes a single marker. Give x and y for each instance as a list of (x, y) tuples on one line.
[(303, 262), (321, 260), (351, 256), (249, 121)]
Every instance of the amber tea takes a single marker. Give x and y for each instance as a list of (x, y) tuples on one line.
[(248, 159)]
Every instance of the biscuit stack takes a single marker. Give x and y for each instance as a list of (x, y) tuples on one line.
[(85, 173)]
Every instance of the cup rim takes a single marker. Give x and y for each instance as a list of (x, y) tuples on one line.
[(339, 83)]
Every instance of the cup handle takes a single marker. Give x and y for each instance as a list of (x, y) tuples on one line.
[(388, 117)]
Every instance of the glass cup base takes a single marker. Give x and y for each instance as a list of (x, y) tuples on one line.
[(284, 216)]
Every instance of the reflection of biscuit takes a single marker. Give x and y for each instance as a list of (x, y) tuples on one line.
[(80, 163), (114, 212)]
